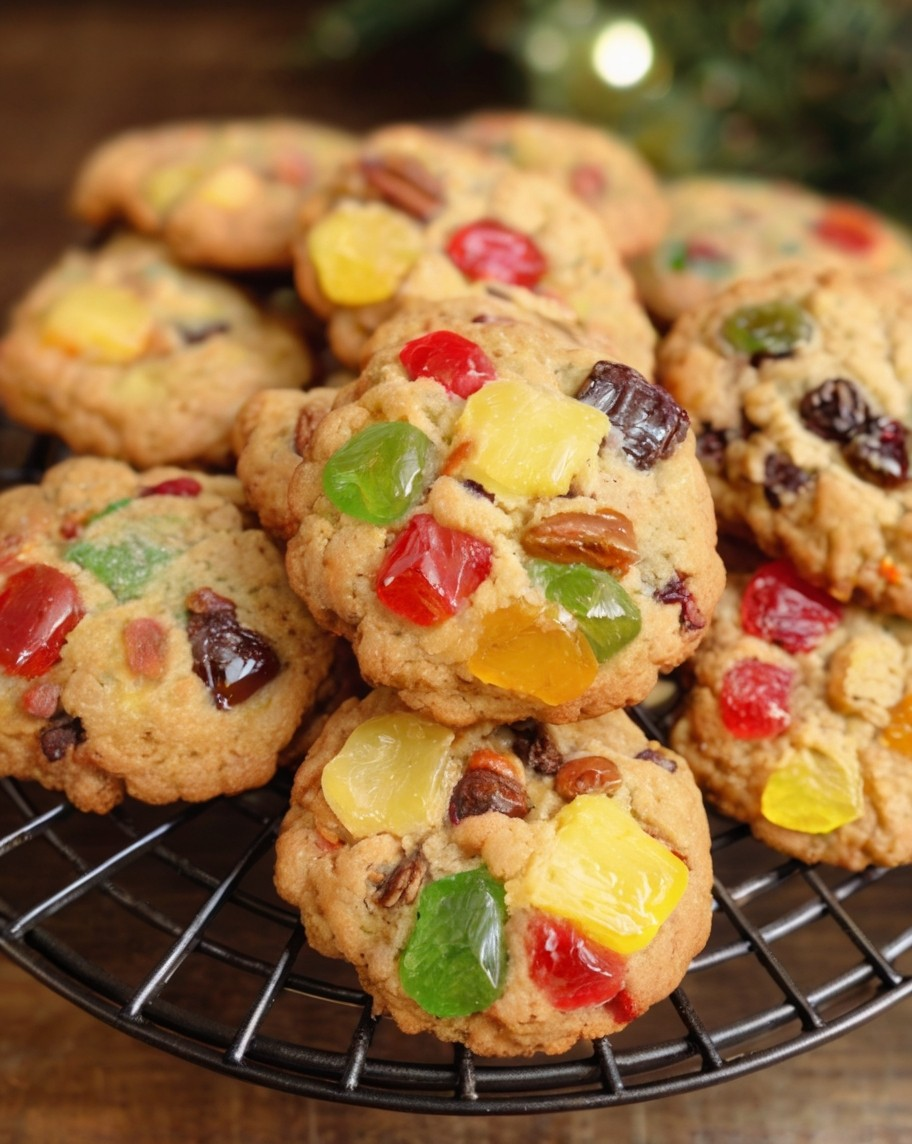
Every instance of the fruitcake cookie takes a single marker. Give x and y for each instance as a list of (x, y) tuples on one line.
[(505, 525), (597, 166), (124, 354), (799, 385), (799, 721), (223, 194), (149, 642), (422, 215), (515, 888), (725, 228)]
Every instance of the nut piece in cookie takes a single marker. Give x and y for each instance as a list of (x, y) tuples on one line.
[(149, 642), (516, 887)]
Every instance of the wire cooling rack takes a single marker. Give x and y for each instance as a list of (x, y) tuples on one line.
[(163, 922)]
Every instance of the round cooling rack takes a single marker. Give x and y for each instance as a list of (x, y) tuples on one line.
[(163, 922)]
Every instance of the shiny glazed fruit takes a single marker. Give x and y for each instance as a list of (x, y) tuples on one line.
[(754, 701), (769, 329), (378, 475), (897, 734), (233, 661), (814, 790), (569, 969), (455, 960), (458, 364), (394, 774), (124, 567), (101, 322), (39, 607), (603, 873), (430, 571), (605, 613), (527, 441), (783, 609), (849, 227), (488, 249)]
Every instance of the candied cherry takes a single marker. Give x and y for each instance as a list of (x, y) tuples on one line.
[(457, 363), (768, 329), (39, 607), (233, 661), (125, 566), (488, 249), (567, 967), (849, 227), (378, 474), (431, 570), (754, 701), (697, 256), (783, 609), (173, 487), (605, 613)]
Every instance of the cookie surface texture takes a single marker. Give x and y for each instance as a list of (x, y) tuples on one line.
[(149, 642), (125, 354), (482, 885), (494, 543)]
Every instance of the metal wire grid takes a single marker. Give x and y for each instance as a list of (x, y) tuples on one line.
[(163, 923)]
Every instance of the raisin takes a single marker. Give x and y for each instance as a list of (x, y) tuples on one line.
[(234, 662), (650, 422), (659, 759), (601, 540), (782, 478), (675, 591), (711, 446), (835, 410), (535, 747), (62, 732), (588, 774), (201, 331), (878, 452), (477, 490), (481, 790)]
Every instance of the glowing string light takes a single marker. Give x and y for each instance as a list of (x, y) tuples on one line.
[(622, 53)]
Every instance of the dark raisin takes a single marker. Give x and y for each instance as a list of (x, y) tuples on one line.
[(711, 446), (878, 453), (192, 333), (480, 791), (234, 662), (675, 591), (657, 757), (782, 478), (835, 410), (62, 732), (477, 490), (650, 422), (535, 747)]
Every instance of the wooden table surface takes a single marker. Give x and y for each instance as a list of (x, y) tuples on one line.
[(71, 73)]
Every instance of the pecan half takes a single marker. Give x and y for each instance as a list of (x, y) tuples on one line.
[(587, 775), (602, 540), (404, 182), (402, 883)]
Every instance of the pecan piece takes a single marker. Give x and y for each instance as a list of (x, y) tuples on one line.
[(604, 540), (402, 883), (405, 183)]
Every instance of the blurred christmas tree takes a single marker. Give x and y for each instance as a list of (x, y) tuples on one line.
[(815, 90)]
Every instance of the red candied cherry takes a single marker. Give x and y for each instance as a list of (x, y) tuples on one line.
[(458, 364), (568, 968), (849, 227), (173, 487), (430, 570), (39, 607), (754, 700), (783, 609), (488, 249)]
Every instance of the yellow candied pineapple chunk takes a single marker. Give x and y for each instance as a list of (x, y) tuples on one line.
[(603, 872), (362, 251), (897, 734), (524, 441), (814, 790), (230, 188), (166, 185), (394, 775), (529, 651), (94, 320)]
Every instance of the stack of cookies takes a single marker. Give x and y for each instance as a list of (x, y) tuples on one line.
[(373, 474)]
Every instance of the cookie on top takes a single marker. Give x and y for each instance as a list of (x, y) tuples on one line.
[(504, 524), (123, 353), (149, 643), (513, 887), (222, 193), (421, 215), (799, 385), (798, 720)]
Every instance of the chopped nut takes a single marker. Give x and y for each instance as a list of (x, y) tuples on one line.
[(602, 540), (588, 774), (403, 882), (404, 182), (866, 678)]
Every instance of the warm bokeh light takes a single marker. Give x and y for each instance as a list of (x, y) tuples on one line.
[(622, 53)]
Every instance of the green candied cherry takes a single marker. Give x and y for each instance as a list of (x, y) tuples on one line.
[(768, 329), (124, 566), (603, 610), (455, 960), (379, 474)]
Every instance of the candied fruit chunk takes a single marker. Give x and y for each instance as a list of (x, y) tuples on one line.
[(457, 363), (145, 647), (604, 539), (173, 487), (567, 967), (849, 227), (783, 609), (488, 249), (603, 873), (697, 256), (814, 790), (455, 960), (650, 422), (166, 185), (378, 475), (233, 661), (230, 188), (528, 650), (605, 613), (559, 437), (125, 567), (393, 774), (361, 252), (768, 329), (897, 734), (39, 607), (431, 570), (104, 323), (754, 701), (588, 182)]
